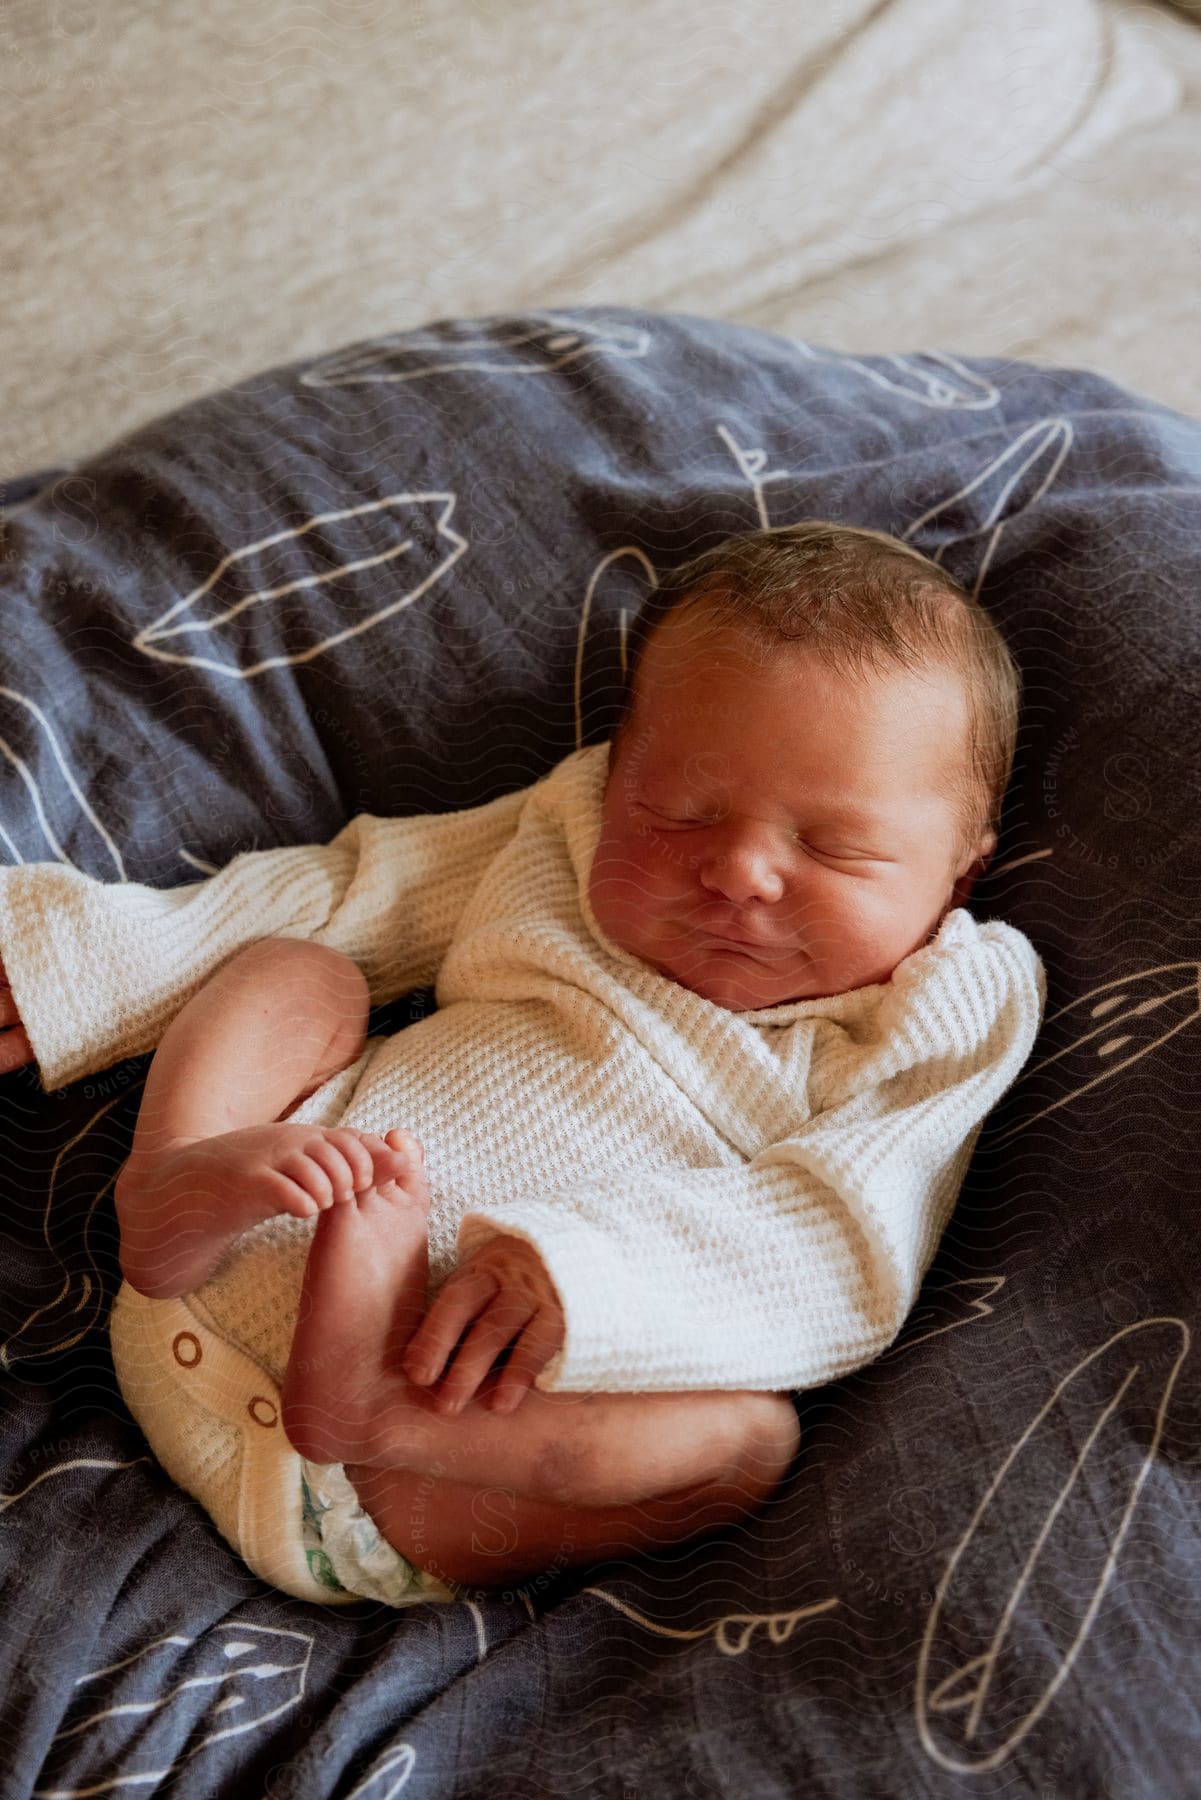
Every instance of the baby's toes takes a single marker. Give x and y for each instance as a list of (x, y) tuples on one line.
[(405, 1153)]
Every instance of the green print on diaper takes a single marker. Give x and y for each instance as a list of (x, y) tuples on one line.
[(339, 1534), (320, 1567)]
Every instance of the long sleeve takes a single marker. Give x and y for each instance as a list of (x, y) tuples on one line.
[(793, 1267), (99, 969)]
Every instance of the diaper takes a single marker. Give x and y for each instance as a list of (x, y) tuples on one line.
[(211, 1415), (345, 1549), (201, 1374)]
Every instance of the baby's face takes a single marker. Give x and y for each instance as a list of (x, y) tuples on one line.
[(757, 795)]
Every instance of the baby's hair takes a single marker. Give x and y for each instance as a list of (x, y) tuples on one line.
[(860, 600)]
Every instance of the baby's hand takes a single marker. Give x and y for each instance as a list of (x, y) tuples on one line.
[(15, 1048), (180, 1203), (298, 1169), (505, 1288)]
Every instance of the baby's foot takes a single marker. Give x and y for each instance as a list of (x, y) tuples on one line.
[(363, 1298), (179, 1208)]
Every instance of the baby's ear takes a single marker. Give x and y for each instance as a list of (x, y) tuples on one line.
[(967, 878), (961, 892)]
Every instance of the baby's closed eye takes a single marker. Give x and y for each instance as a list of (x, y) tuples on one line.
[(678, 818), (827, 850)]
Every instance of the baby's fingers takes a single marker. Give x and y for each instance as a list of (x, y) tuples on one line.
[(304, 1169), (15, 1049), (464, 1295), (354, 1152), (542, 1337), (475, 1357), (336, 1167), (9, 1015)]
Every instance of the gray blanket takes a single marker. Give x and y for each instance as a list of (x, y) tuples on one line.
[(400, 579)]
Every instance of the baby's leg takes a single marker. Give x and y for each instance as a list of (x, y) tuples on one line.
[(362, 1299), (615, 1471), (487, 1535), (272, 1024)]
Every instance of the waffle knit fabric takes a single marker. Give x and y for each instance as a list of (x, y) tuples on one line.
[(723, 1200)]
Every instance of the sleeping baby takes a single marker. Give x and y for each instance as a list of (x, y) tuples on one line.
[(715, 1036)]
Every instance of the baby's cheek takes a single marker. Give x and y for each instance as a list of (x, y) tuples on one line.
[(651, 868), (676, 861)]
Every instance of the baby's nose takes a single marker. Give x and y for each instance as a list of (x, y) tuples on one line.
[(742, 871)]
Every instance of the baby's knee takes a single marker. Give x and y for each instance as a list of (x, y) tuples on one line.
[(770, 1438), (288, 955), (743, 1443)]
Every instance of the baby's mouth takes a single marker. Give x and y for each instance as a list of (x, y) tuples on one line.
[(752, 952), (754, 948)]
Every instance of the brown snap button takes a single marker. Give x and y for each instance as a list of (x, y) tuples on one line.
[(186, 1346)]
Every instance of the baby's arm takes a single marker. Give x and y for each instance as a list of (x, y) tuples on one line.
[(212, 1153), (500, 1293), (98, 970), (791, 1266)]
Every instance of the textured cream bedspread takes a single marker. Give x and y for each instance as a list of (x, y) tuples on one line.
[(191, 196)]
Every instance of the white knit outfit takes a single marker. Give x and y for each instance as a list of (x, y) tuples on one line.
[(723, 1200)]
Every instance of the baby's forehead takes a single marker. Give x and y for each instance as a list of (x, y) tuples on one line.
[(676, 740), (700, 693)]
